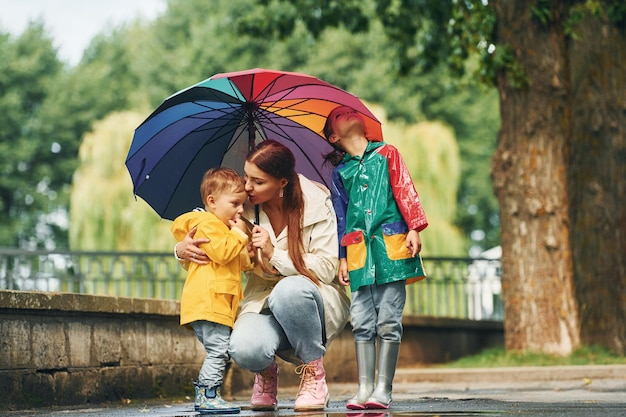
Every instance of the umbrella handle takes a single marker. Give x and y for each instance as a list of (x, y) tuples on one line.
[(262, 264), (258, 250)]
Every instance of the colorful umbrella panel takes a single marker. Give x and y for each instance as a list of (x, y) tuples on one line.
[(217, 121)]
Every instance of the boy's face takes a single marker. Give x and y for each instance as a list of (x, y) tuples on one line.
[(228, 205)]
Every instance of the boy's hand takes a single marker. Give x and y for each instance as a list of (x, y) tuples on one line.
[(413, 242), (239, 224), (344, 277)]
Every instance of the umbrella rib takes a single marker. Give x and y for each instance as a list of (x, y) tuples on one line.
[(232, 125), (290, 139), (235, 114)]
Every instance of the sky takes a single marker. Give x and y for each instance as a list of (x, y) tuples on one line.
[(72, 24)]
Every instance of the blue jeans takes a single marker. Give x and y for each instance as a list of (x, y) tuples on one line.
[(294, 322), (376, 310), (215, 338)]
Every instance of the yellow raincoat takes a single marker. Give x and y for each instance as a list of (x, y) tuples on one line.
[(212, 292)]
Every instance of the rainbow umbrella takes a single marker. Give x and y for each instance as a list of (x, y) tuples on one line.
[(217, 121)]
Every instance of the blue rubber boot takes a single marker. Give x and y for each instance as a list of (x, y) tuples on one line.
[(209, 401)]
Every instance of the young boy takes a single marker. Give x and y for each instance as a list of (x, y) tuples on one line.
[(379, 217), (212, 292)]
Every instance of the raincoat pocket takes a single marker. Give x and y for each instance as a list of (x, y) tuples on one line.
[(355, 248), (226, 297), (394, 235)]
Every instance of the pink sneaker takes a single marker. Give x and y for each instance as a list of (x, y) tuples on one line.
[(265, 389), (313, 391)]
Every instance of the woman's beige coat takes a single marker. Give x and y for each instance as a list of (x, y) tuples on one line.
[(320, 256)]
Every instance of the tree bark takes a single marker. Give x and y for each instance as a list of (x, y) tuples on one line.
[(597, 181), (529, 172)]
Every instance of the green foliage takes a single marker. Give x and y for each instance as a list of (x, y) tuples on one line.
[(104, 216), (278, 19), (615, 11), (30, 179), (499, 357), (137, 65), (474, 116), (421, 43), (471, 33), (505, 61), (542, 11)]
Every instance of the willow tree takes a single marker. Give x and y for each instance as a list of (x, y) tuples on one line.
[(431, 153), (103, 213), (559, 171)]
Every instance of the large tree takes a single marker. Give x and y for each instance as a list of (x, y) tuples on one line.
[(597, 176), (29, 179), (559, 168), (559, 173)]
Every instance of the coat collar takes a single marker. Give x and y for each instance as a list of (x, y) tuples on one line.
[(371, 146), (315, 204)]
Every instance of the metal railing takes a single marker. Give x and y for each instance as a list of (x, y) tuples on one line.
[(455, 287)]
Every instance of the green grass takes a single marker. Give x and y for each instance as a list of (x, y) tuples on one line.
[(498, 357)]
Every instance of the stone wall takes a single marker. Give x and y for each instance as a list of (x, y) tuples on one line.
[(76, 349), (72, 349)]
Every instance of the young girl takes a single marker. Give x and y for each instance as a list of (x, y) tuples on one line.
[(379, 217)]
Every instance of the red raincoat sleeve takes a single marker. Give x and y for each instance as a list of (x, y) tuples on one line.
[(403, 189)]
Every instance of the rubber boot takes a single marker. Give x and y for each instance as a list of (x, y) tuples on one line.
[(209, 401), (265, 389), (313, 391), (387, 360), (366, 368)]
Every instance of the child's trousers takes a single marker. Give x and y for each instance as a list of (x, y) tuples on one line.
[(215, 339), (376, 311)]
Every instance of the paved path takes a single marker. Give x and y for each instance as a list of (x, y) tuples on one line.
[(530, 391)]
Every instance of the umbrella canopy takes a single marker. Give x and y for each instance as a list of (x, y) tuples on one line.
[(217, 121)]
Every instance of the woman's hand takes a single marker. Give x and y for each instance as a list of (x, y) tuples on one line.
[(413, 242), (264, 249), (343, 276), (189, 248), (261, 240)]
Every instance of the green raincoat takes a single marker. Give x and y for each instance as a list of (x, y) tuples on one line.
[(376, 205)]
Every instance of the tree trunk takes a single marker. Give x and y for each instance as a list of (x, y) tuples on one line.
[(597, 187), (529, 173)]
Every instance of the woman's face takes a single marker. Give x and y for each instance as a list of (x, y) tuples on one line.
[(260, 186)]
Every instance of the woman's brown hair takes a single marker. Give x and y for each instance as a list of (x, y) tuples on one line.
[(277, 160)]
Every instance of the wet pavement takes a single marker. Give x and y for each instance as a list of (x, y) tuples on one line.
[(529, 391)]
